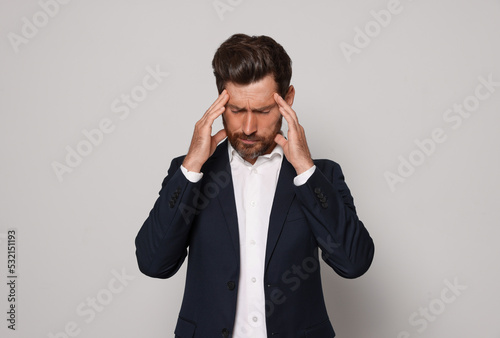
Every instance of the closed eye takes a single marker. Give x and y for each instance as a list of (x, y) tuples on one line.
[(257, 111)]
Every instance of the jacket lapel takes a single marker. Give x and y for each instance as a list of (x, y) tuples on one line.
[(283, 198), (220, 171)]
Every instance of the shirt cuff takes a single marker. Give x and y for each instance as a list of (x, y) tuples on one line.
[(302, 178), (191, 175)]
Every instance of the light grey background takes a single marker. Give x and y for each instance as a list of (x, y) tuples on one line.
[(365, 111)]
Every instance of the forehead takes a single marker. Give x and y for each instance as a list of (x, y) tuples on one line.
[(254, 94)]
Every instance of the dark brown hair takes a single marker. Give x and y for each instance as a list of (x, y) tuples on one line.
[(244, 59)]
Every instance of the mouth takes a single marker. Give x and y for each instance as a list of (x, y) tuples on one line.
[(249, 142)]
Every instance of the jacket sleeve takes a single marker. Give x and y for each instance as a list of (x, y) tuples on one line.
[(161, 244), (328, 205)]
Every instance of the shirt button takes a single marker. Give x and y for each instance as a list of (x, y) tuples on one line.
[(253, 203), (254, 279), (255, 319), (254, 171), (252, 242)]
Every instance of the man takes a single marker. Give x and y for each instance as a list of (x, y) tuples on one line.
[(253, 210)]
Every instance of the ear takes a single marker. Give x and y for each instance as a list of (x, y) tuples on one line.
[(290, 95)]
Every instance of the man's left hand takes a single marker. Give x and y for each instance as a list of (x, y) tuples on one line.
[(295, 147)]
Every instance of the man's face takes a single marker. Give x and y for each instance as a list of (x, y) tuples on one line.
[(252, 118)]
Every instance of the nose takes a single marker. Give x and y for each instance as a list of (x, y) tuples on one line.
[(249, 123)]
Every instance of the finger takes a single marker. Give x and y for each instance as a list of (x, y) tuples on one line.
[(293, 124), (286, 110), (210, 118), (222, 97), (217, 109), (219, 98), (281, 140), (283, 112)]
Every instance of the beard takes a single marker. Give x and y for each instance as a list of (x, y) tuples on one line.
[(249, 152)]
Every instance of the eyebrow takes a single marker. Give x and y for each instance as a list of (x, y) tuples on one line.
[(261, 109)]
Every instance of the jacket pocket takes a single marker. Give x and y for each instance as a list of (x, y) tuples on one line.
[(184, 328), (321, 330)]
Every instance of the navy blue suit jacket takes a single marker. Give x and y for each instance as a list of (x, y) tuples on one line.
[(201, 217)]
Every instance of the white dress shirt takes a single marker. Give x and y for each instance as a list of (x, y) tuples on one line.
[(254, 188)]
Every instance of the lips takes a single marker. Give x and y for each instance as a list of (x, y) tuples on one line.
[(245, 141)]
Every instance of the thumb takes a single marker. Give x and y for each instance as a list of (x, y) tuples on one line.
[(219, 136), (281, 140)]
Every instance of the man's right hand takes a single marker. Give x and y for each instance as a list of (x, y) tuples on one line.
[(203, 144)]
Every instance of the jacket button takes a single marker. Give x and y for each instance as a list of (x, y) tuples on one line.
[(231, 285), (225, 333), (317, 190)]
